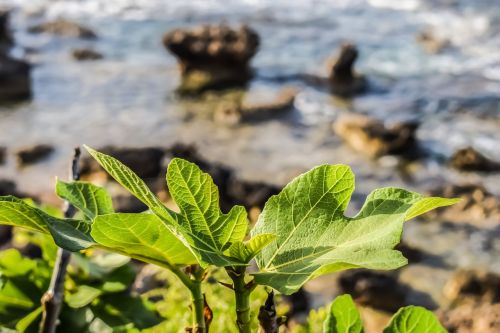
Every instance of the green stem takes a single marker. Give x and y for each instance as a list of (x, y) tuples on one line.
[(242, 291), (198, 315)]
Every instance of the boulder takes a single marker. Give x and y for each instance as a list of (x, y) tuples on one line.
[(86, 54), (477, 207), (15, 80), (3, 155), (375, 138), (469, 159), (431, 42), (62, 27), (342, 78), (33, 154), (213, 56), (472, 317), (145, 162), (378, 290), (234, 112), (473, 284)]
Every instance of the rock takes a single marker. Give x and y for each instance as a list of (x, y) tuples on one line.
[(15, 81), (3, 155), (128, 204), (343, 80), (232, 112), (63, 27), (378, 290), (5, 36), (145, 162), (477, 205), (7, 187), (84, 54), (432, 43), (374, 138), (34, 154), (212, 56), (476, 285), (472, 317), (469, 159)]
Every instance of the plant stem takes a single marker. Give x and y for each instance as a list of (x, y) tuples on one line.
[(53, 298), (242, 291)]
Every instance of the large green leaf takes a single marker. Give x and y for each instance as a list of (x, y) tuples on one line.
[(92, 200), (200, 225), (70, 234), (142, 236), (314, 237), (343, 317), (208, 230), (414, 319)]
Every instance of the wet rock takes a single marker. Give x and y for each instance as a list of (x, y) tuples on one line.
[(476, 285), (469, 159), (15, 81), (5, 36), (3, 155), (62, 27), (212, 56), (374, 138), (233, 112), (477, 205), (34, 154), (145, 162), (431, 42), (343, 80), (86, 54), (472, 317), (378, 290)]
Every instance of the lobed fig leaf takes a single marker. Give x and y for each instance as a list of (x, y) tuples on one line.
[(314, 237)]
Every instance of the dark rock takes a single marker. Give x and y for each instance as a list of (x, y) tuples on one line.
[(34, 154), (374, 138), (63, 27), (432, 43), (472, 317), (15, 80), (145, 162), (85, 54), (128, 204), (413, 254), (378, 290), (469, 159), (476, 285), (5, 235), (5, 35), (7, 187), (3, 155), (213, 56), (477, 205), (343, 80)]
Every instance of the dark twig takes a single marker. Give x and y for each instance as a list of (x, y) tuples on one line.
[(269, 322), (53, 298)]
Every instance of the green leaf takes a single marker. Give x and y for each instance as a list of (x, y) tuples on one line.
[(128, 179), (142, 236), (246, 251), (414, 319), (92, 200), (314, 237), (70, 234), (84, 296), (343, 317), (208, 230), (23, 324)]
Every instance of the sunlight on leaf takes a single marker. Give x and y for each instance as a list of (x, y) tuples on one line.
[(343, 317)]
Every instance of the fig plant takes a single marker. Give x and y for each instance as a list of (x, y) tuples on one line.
[(301, 234)]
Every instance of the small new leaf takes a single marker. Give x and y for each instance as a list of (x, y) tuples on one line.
[(246, 251), (343, 317), (414, 319), (314, 237), (90, 199)]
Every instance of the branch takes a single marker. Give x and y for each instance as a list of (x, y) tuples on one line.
[(53, 298)]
